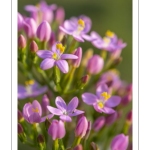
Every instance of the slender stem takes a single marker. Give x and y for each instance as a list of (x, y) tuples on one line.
[(61, 144), (56, 144), (69, 80), (76, 141)]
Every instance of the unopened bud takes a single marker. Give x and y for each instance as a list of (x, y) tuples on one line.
[(99, 123), (76, 62), (78, 147), (94, 146), (33, 47), (82, 82), (129, 117), (20, 129), (44, 104), (88, 130), (40, 138), (20, 116), (60, 15), (21, 42)]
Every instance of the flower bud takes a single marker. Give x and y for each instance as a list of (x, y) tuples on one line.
[(20, 129), (78, 147), (126, 99), (60, 15), (57, 129), (20, 116), (85, 79), (76, 62), (94, 146), (120, 142), (111, 118), (21, 42), (81, 127), (52, 39), (98, 124), (44, 104), (33, 47), (44, 31), (129, 117), (95, 64), (30, 27), (88, 130), (40, 139), (82, 82)]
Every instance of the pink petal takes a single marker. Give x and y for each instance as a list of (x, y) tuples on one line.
[(72, 104), (113, 101), (63, 65), (65, 118), (89, 98), (54, 111), (101, 88), (60, 103), (47, 63), (44, 54), (69, 56)]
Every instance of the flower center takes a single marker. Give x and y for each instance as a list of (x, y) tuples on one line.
[(110, 34), (29, 82), (36, 110), (105, 95), (60, 47), (81, 25), (106, 41), (29, 89), (100, 104), (55, 56)]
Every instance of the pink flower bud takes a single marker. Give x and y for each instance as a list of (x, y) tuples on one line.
[(78, 147), (111, 118), (95, 64), (99, 123), (30, 27), (52, 39), (88, 130), (40, 138), (129, 117), (44, 104), (81, 127), (44, 31), (20, 129), (57, 129), (33, 47), (120, 142), (21, 42), (60, 15), (20, 116), (85, 79), (76, 62), (126, 99)]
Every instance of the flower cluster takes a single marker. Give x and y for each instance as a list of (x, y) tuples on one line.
[(59, 79)]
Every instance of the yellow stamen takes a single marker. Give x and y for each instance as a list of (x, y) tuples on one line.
[(105, 95), (60, 47), (100, 104), (81, 23), (29, 82), (36, 110), (54, 56), (109, 33)]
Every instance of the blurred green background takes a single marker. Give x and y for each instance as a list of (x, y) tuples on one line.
[(114, 15)]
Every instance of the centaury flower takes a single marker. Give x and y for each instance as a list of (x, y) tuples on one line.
[(77, 27), (33, 112), (102, 101), (65, 111), (32, 89), (55, 57)]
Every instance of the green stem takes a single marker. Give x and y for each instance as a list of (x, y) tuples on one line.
[(76, 141), (56, 145), (61, 144), (72, 45), (70, 79)]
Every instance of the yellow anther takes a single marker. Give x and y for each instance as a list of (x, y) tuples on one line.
[(109, 33), (106, 40), (60, 47), (54, 56), (81, 23), (29, 82), (36, 110), (105, 95), (100, 104)]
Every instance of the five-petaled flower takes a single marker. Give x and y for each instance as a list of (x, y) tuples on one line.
[(33, 112), (55, 57), (65, 111), (77, 27), (102, 101), (32, 89)]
